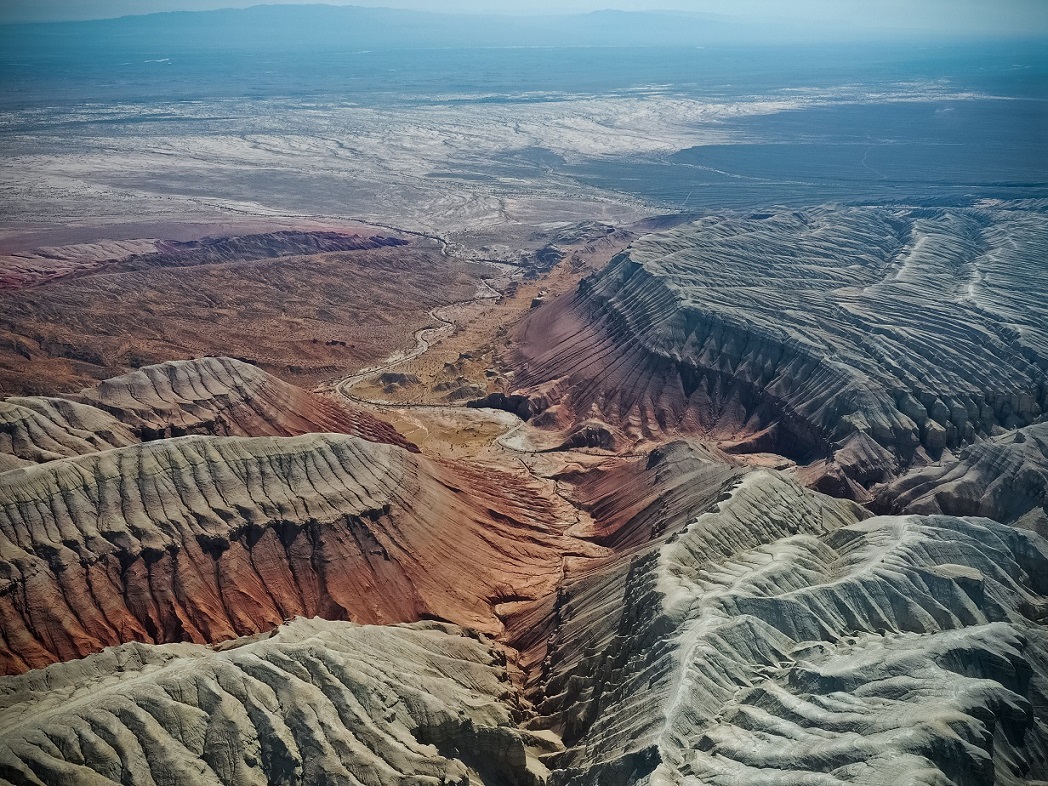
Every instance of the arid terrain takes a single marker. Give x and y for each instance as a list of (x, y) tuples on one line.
[(268, 298), (602, 513), (393, 397)]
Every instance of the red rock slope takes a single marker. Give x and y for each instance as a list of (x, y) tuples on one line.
[(205, 538)]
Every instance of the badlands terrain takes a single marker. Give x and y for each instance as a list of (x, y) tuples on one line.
[(393, 398), (739, 498)]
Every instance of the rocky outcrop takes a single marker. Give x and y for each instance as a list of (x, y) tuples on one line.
[(318, 702), (203, 539), (705, 623), (1004, 478), (216, 396), (34, 430), (521, 406), (226, 397), (211, 251), (41, 265), (782, 639), (873, 338)]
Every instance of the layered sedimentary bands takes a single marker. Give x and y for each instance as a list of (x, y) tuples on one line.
[(216, 396), (1004, 478), (640, 602), (206, 538), (863, 341), (742, 630), (225, 397)]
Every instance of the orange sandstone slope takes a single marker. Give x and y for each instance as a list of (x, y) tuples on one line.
[(206, 538)]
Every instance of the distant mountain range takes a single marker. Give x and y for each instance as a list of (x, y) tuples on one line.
[(334, 28)]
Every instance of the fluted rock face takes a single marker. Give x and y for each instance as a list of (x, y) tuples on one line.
[(782, 640), (1004, 478), (318, 702), (206, 538), (226, 397), (633, 506), (217, 396), (34, 430), (873, 337)]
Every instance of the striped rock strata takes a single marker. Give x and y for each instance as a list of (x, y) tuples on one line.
[(1004, 478), (785, 638), (218, 396), (206, 538), (874, 339), (226, 397), (767, 635)]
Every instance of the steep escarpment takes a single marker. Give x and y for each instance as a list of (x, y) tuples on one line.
[(18, 271), (35, 429), (318, 702), (30, 268), (1004, 478), (206, 538), (872, 339), (211, 251), (630, 507), (782, 638)]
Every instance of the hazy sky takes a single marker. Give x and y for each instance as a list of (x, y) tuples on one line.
[(992, 17)]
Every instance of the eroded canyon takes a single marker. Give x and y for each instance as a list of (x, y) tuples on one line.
[(742, 498)]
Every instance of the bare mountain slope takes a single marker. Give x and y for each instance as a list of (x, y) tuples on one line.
[(318, 702), (871, 338), (781, 640), (674, 615), (21, 271), (767, 635), (217, 396), (226, 397), (35, 429), (1004, 478), (206, 538)]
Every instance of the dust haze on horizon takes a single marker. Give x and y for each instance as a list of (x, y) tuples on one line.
[(968, 18)]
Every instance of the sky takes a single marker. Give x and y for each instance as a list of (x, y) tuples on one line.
[(976, 17)]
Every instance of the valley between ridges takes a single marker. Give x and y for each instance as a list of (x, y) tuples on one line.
[(483, 435)]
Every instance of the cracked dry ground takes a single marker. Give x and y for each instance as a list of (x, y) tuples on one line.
[(672, 573)]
